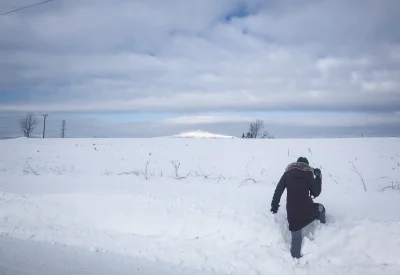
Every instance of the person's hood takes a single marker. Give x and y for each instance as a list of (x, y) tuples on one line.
[(299, 166)]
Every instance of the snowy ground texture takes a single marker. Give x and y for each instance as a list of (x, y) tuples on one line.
[(193, 206)]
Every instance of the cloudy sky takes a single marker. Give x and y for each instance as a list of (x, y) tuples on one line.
[(145, 68)]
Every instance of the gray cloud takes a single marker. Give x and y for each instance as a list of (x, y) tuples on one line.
[(183, 56)]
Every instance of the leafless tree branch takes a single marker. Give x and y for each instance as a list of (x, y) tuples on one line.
[(250, 162), (247, 180), (29, 169), (394, 186), (359, 174), (330, 175), (136, 173), (176, 164)]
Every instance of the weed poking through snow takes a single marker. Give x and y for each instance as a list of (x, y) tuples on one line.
[(29, 170), (359, 174), (176, 164), (393, 186)]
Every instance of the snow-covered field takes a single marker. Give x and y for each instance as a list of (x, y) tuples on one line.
[(193, 206)]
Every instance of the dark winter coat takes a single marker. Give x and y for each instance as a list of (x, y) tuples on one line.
[(300, 183)]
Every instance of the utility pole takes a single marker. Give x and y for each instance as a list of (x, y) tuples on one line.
[(44, 124), (63, 128)]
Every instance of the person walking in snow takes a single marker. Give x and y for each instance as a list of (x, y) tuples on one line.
[(303, 183)]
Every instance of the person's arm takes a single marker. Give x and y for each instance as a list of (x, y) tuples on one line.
[(316, 184), (278, 194)]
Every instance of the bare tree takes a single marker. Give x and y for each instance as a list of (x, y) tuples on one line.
[(256, 128), (63, 128), (28, 124), (267, 134)]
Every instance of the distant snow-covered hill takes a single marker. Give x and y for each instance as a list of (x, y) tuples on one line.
[(200, 134)]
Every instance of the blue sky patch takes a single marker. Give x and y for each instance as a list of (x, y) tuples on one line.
[(240, 11)]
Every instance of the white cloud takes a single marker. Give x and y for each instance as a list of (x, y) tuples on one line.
[(299, 119)]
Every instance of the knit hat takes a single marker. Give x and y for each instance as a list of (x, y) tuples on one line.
[(303, 160)]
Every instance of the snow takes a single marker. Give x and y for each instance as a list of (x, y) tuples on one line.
[(200, 134), (119, 204), (28, 257)]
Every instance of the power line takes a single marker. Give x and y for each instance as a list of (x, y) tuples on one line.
[(26, 7)]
